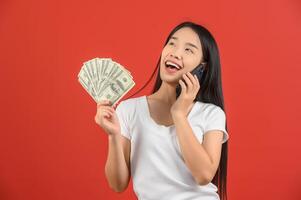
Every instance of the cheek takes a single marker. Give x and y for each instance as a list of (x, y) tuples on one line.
[(164, 52), (163, 55), (192, 63)]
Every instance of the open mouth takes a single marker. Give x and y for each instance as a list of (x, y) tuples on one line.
[(172, 66)]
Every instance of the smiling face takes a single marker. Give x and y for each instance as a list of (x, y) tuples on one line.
[(182, 53)]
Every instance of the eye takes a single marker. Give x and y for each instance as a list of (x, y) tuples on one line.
[(171, 43), (188, 50)]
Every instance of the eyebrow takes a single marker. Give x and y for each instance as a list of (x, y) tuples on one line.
[(188, 43)]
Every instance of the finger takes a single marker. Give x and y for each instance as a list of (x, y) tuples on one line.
[(197, 82), (194, 81), (183, 86), (115, 105), (106, 113), (103, 102), (101, 107), (192, 78), (188, 82), (108, 109)]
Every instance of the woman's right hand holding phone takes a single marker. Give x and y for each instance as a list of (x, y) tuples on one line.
[(106, 118)]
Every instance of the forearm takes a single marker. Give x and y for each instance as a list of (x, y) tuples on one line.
[(116, 170), (193, 152)]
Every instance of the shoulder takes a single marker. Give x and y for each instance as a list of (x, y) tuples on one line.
[(209, 110)]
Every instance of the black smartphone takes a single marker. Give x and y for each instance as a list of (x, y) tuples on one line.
[(198, 71)]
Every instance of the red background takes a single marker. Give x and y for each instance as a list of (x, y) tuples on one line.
[(50, 146)]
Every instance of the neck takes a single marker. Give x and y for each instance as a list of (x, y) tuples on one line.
[(166, 93)]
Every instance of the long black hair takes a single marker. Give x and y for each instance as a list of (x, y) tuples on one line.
[(210, 92)]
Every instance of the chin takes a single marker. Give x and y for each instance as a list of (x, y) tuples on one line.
[(172, 80)]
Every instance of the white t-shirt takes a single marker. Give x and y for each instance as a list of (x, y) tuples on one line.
[(157, 166)]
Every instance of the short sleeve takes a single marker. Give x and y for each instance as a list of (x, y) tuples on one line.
[(216, 120), (124, 119)]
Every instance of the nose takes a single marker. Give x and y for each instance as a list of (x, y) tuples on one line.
[(176, 53)]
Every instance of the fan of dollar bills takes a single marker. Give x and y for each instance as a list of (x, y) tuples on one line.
[(105, 79)]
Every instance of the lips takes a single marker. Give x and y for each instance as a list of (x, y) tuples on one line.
[(173, 65)]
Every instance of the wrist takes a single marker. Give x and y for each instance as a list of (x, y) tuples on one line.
[(178, 116), (113, 137)]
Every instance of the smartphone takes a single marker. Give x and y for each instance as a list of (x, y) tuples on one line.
[(198, 71)]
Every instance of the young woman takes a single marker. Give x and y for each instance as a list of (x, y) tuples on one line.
[(173, 146)]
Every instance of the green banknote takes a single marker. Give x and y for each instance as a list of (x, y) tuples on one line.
[(105, 79)]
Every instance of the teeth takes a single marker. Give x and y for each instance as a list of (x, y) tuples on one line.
[(173, 64)]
